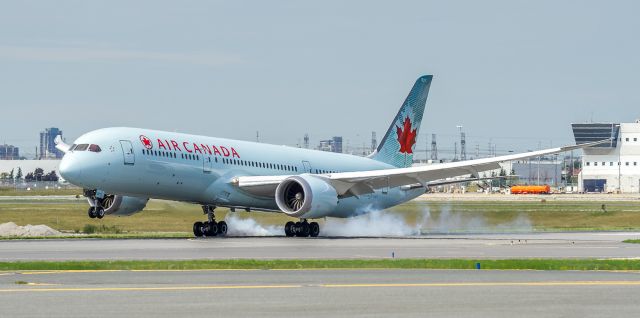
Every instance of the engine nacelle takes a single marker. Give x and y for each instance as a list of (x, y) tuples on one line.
[(120, 205), (306, 196)]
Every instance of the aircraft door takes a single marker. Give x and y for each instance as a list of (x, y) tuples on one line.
[(307, 166), (207, 164), (127, 151)]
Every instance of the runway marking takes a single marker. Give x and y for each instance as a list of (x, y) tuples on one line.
[(481, 284), (221, 287), (176, 288)]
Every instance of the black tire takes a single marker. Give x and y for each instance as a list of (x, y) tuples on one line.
[(288, 229), (210, 228), (222, 228), (197, 229), (314, 229), (99, 212), (304, 229), (92, 212)]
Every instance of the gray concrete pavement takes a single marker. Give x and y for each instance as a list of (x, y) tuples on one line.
[(497, 246), (321, 293)]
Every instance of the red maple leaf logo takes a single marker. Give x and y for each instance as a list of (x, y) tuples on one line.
[(406, 136), (146, 142)]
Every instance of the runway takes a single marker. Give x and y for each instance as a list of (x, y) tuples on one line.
[(320, 293), (474, 246)]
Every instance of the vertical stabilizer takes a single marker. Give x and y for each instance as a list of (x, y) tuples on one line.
[(396, 148)]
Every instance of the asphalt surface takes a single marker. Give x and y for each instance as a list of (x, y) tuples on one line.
[(320, 293), (487, 246)]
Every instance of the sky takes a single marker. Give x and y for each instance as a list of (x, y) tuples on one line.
[(512, 73)]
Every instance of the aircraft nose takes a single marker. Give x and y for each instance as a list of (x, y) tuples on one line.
[(69, 169)]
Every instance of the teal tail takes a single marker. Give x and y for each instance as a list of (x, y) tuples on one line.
[(396, 148)]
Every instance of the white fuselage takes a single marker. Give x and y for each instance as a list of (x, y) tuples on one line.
[(182, 167)]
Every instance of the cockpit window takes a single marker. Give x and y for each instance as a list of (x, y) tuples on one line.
[(81, 147), (94, 148), (72, 147)]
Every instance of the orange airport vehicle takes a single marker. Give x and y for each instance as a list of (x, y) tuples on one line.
[(531, 189)]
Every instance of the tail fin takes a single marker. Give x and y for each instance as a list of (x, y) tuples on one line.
[(396, 148)]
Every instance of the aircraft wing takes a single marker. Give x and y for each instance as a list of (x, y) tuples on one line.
[(363, 182)]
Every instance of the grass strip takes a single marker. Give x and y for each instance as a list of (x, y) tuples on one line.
[(243, 264), (632, 241)]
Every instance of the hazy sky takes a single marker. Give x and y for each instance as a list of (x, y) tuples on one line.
[(516, 73)]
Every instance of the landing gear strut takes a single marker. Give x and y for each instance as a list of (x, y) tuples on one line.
[(302, 229), (209, 227)]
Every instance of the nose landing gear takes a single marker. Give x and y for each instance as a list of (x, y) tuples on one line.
[(96, 212), (302, 229), (209, 227)]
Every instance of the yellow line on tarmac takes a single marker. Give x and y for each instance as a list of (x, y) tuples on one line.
[(213, 287), (174, 288), (481, 284)]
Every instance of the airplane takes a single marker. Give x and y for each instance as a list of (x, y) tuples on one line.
[(121, 168)]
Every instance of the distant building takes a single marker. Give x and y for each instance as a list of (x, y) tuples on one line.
[(9, 152), (332, 145), (613, 166), (47, 144), (337, 144)]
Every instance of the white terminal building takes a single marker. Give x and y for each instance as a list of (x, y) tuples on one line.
[(613, 166)]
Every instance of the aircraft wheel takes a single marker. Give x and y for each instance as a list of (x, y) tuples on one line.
[(210, 228), (197, 229), (288, 229), (92, 212), (99, 212), (314, 229), (222, 228), (303, 229)]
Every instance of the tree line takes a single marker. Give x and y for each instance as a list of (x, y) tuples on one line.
[(36, 175)]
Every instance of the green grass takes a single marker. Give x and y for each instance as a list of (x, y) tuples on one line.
[(515, 264), (632, 241)]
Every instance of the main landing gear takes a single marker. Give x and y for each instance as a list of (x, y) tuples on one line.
[(302, 229), (96, 212), (210, 227)]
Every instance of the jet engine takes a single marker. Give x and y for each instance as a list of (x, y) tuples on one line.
[(120, 205), (305, 196)]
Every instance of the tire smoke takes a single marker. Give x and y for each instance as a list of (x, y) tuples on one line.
[(448, 222), (249, 227), (375, 223)]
